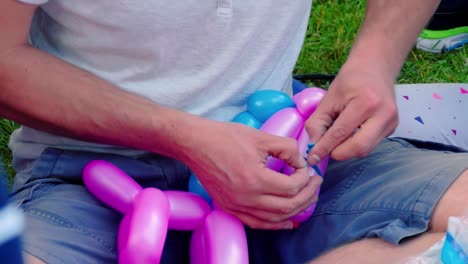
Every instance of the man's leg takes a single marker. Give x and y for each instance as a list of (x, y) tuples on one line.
[(66, 224), (391, 195), (453, 203)]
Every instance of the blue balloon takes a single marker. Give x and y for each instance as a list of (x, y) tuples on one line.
[(196, 187), (264, 103), (247, 119)]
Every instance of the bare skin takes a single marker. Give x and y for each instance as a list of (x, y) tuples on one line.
[(258, 196), (370, 251), (453, 203), (362, 95), (268, 199)]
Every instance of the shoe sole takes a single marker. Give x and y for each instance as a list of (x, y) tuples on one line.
[(443, 40)]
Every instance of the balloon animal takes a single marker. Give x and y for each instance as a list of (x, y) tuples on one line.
[(217, 237), (276, 113)]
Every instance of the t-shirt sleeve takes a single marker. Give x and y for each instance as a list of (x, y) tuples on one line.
[(33, 2)]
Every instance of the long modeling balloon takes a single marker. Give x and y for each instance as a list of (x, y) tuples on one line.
[(285, 117), (225, 238), (287, 122), (149, 213), (188, 210), (218, 237), (110, 184), (142, 232)]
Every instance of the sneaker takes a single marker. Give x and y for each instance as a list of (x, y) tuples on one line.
[(448, 28)]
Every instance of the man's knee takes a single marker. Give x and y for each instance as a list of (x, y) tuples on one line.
[(453, 203)]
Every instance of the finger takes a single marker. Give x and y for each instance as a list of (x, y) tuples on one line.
[(366, 139), (277, 208), (256, 223), (343, 127), (279, 184), (323, 117)]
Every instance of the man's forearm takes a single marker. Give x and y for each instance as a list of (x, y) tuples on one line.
[(389, 30), (43, 92)]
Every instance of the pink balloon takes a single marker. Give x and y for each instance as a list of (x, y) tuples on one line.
[(308, 99), (148, 213), (143, 231), (110, 184), (287, 122), (302, 141), (218, 237), (187, 210), (197, 247), (225, 239), (307, 213), (122, 235)]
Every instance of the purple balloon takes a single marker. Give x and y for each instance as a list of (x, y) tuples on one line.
[(288, 170), (307, 100), (187, 210), (143, 231), (287, 122), (323, 165), (110, 184), (225, 239), (304, 215), (124, 229)]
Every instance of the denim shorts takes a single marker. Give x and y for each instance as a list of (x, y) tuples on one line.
[(390, 194)]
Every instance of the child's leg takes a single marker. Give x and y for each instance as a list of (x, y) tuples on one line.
[(433, 112)]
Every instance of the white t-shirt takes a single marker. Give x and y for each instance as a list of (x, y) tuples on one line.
[(202, 57)]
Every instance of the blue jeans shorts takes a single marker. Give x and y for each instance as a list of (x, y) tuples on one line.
[(390, 194)]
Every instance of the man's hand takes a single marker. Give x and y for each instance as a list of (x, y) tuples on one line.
[(229, 161), (359, 110), (356, 113)]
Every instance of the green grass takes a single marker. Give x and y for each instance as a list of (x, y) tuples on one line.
[(6, 127), (332, 28)]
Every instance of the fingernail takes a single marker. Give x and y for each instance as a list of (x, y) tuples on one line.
[(316, 157)]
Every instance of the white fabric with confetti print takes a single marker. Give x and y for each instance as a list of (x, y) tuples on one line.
[(433, 112)]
